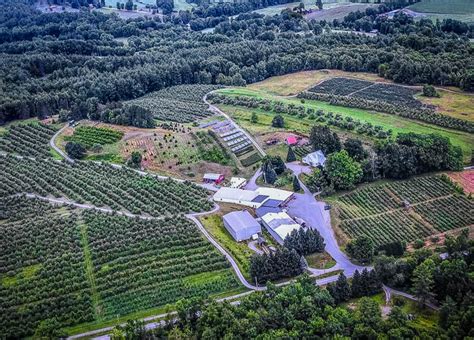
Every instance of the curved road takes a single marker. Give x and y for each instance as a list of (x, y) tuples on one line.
[(58, 150)]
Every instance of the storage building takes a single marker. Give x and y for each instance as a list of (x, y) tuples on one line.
[(213, 178), (279, 225), (241, 225)]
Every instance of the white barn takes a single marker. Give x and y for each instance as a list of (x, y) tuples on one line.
[(241, 225)]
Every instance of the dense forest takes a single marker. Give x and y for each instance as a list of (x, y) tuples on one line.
[(78, 63)]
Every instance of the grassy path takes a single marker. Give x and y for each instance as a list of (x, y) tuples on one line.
[(90, 272)]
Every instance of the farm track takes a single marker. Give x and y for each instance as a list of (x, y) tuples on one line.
[(390, 291)]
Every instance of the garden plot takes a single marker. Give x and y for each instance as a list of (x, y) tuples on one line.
[(404, 210)]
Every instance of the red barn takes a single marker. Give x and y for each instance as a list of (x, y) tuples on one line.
[(291, 140)]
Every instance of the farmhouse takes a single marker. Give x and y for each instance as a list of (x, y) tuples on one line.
[(237, 182), (241, 225), (315, 159), (213, 178), (279, 225)]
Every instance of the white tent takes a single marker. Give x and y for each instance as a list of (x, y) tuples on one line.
[(315, 159)]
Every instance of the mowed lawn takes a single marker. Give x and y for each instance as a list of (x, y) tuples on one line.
[(462, 10), (396, 123)]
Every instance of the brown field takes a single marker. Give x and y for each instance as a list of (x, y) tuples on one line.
[(294, 83), (465, 179)]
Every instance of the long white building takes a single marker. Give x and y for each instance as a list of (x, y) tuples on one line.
[(250, 198)]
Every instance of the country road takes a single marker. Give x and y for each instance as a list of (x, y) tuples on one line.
[(52, 143)]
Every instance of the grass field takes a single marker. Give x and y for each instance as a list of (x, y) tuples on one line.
[(462, 10), (337, 11), (455, 104), (239, 250), (303, 125), (320, 260)]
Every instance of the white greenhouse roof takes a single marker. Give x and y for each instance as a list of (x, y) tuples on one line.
[(234, 194), (274, 194)]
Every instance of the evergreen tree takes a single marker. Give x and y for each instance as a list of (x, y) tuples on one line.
[(296, 184), (278, 121), (357, 285), (423, 281), (340, 291), (290, 157), (75, 150)]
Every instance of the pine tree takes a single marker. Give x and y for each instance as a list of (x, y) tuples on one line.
[(290, 157), (356, 286), (342, 288), (296, 184)]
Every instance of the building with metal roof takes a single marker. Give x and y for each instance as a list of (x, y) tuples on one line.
[(279, 225), (254, 199), (241, 225), (213, 178)]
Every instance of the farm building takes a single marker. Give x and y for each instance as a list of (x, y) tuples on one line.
[(213, 178), (279, 225), (254, 199), (237, 182), (241, 225), (291, 140), (314, 159)]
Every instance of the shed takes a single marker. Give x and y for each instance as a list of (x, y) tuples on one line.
[(291, 140), (315, 159), (213, 178), (237, 182), (241, 225)]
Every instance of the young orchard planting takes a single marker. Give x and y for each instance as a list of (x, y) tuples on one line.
[(405, 210), (89, 136), (28, 140), (382, 97), (101, 185), (182, 103)]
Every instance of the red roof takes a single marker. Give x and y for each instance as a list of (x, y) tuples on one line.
[(291, 140)]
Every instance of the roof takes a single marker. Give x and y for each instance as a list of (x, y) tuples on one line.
[(212, 176), (260, 198), (239, 220), (291, 140), (263, 210), (235, 182), (274, 194), (281, 223), (272, 203), (316, 157), (235, 194)]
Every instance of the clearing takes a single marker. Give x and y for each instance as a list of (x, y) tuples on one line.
[(462, 10), (337, 10)]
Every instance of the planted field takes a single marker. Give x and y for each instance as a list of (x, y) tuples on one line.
[(404, 210), (42, 271), (182, 103), (89, 136), (340, 86), (101, 185), (84, 266), (27, 140), (444, 7), (140, 264)]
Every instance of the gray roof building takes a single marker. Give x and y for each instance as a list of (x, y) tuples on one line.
[(241, 225)]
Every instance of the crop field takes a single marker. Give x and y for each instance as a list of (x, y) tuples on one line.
[(27, 139), (182, 103), (42, 271), (302, 124), (340, 86), (462, 10), (100, 185), (404, 210), (89, 136), (140, 264), (83, 266)]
